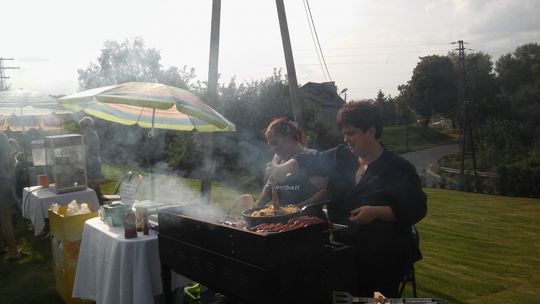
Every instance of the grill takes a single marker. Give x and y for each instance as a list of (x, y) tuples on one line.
[(300, 266)]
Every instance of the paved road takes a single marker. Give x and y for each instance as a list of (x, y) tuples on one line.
[(424, 158)]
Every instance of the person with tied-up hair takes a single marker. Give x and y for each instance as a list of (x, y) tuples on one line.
[(286, 139), (375, 192)]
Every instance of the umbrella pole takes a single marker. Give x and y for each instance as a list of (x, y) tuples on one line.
[(152, 177), (152, 184)]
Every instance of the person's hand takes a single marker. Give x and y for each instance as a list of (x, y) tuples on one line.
[(278, 173), (364, 215), (274, 173)]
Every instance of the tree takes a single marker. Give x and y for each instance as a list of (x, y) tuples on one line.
[(518, 76), (250, 106), (262, 99), (520, 68), (129, 61), (404, 113), (480, 84), (180, 78), (432, 88), (122, 62), (388, 108)]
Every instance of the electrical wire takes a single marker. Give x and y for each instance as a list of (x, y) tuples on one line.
[(314, 43), (306, 5)]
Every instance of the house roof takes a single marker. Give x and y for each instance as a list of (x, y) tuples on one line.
[(323, 93)]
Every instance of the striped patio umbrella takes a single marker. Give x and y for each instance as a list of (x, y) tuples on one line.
[(22, 110), (149, 105)]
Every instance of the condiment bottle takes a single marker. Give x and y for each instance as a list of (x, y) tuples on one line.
[(139, 219), (146, 226), (130, 228)]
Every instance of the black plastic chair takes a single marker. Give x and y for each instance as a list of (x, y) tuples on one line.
[(410, 276)]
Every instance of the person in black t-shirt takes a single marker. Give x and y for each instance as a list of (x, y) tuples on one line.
[(375, 192), (286, 140)]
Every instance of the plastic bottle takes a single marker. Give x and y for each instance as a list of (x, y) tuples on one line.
[(139, 219), (130, 228), (146, 226), (84, 208)]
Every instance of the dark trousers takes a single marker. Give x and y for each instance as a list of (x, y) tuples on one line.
[(383, 277)]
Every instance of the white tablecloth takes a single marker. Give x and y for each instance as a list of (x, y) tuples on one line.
[(37, 200), (112, 269)]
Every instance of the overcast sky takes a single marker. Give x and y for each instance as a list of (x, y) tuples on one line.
[(367, 44)]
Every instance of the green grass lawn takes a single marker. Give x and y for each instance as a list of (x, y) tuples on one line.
[(480, 248), (477, 249)]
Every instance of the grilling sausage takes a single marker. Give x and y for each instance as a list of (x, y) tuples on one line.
[(300, 222)]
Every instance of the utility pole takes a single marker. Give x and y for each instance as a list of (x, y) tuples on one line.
[(468, 135), (3, 86), (208, 154), (289, 61), (467, 132), (407, 132)]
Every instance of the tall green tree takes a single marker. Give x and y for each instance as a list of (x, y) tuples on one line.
[(180, 78), (520, 68), (518, 76), (132, 60), (122, 62), (432, 88), (480, 84), (388, 107)]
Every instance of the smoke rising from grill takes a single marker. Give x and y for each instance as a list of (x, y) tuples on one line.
[(239, 160)]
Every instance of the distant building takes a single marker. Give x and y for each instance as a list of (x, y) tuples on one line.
[(322, 102), (324, 97)]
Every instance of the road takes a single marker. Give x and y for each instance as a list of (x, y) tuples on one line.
[(424, 158)]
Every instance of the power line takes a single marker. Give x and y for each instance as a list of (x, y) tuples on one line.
[(387, 46), (312, 23), (3, 86), (382, 53), (314, 43)]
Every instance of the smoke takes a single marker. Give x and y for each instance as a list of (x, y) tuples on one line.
[(129, 146), (238, 161), (168, 189), (244, 153)]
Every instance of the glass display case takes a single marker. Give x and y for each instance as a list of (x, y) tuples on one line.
[(38, 152), (65, 162)]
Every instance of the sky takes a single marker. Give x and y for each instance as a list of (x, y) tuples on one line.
[(367, 44)]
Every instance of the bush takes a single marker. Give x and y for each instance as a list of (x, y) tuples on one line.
[(520, 179), (442, 182)]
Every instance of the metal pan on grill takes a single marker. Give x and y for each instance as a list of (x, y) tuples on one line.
[(281, 218)]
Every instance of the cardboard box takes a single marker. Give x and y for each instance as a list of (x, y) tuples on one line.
[(68, 228), (66, 235), (65, 278)]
